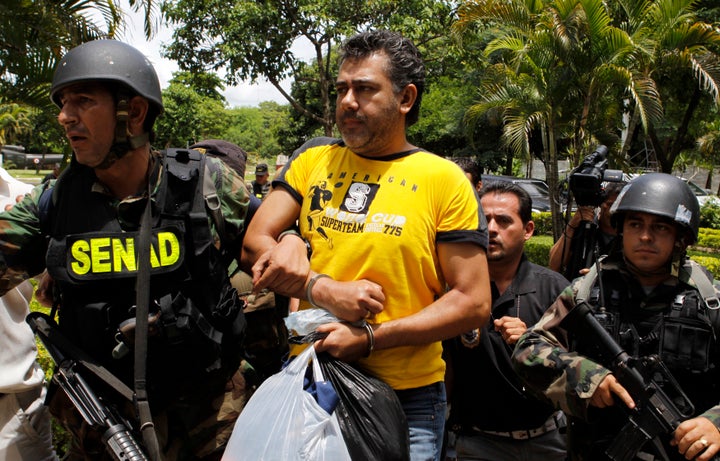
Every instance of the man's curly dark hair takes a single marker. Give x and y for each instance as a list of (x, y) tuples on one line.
[(406, 65)]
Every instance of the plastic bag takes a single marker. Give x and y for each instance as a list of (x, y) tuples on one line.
[(283, 422), (371, 417), (306, 321)]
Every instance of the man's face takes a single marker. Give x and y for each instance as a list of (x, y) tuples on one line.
[(88, 117), (261, 178), (368, 110), (604, 218), (648, 240), (506, 230)]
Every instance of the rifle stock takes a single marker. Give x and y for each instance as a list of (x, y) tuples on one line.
[(655, 413), (117, 436)]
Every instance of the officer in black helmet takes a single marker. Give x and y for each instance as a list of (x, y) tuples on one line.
[(654, 302), (91, 227)]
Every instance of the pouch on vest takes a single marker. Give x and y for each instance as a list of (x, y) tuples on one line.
[(687, 336)]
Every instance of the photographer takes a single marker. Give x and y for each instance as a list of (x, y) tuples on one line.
[(588, 235), (589, 226)]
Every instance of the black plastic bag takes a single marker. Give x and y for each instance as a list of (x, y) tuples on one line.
[(371, 418)]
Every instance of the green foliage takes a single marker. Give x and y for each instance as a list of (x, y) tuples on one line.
[(189, 117), (194, 110), (538, 247), (543, 223), (45, 135), (710, 214), (306, 90), (712, 263), (708, 238), (256, 129), (204, 83), (14, 120), (35, 34), (563, 76), (441, 127), (252, 40)]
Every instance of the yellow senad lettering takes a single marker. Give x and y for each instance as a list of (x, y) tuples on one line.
[(81, 264), (154, 262), (168, 248), (100, 252), (124, 255)]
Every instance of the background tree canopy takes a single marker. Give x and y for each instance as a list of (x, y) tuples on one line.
[(508, 80)]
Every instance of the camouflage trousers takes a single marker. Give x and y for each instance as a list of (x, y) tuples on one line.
[(196, 427)]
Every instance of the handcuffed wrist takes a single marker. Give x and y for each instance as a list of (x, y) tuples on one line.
[(294, 232), (371, 338), (288, 232), (310, 285)]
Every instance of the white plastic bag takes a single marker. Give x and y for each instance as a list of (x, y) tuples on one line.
[(306, 321), (283, 422)]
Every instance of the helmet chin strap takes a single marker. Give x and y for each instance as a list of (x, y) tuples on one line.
[(123, 142)]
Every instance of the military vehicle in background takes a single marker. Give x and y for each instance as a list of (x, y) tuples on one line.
[(15, 157)]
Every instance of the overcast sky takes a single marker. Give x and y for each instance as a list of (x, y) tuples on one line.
[(242, 95)]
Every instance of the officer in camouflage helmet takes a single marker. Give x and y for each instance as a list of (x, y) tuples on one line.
[(85, 228), (653, 301)]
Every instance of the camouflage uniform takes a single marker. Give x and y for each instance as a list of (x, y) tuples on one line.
[(548, 358), (195, 426)]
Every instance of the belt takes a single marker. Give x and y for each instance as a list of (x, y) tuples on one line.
[(552, 423)]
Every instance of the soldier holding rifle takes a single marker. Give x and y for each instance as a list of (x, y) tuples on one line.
[(133, 236), (655, 396)]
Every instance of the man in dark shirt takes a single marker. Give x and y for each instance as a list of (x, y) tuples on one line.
[(492, 415), (53, 174), (261, 185)]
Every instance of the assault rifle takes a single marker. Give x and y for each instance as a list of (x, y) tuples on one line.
[(117, 437), (655, 413)]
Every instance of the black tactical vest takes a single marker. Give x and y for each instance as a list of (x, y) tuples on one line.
[(196, 319), (673, 323)]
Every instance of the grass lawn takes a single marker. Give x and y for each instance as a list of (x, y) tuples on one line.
[(29, 176)]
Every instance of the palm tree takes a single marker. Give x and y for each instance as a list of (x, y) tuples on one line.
[(14, 120), (676, 49), (151, 14), (34, 35), (562, 65)]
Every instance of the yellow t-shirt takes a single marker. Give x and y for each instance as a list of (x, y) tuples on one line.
[(381, 220)]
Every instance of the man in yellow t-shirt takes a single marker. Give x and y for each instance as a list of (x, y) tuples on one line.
[(396, 235)]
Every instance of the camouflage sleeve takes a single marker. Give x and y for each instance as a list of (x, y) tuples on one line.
[(22, 242), (543, 361), (713, 414), (233, 196)]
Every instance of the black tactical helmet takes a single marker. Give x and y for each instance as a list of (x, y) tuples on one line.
[(109, 61), (663, 195)]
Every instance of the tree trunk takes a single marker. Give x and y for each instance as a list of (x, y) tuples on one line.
[(507, 170), (551, 176), (632, 123), (682, 130), (667, 156)]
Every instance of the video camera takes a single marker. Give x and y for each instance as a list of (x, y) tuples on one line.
[(586, 180)]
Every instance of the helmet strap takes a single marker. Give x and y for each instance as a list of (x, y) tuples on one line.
[(678, 257), (124, 142)]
